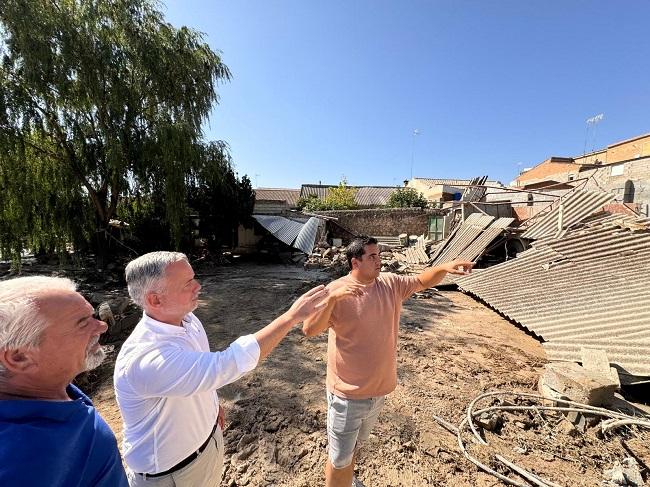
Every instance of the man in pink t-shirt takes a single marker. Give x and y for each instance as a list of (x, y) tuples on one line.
[(362, 316)]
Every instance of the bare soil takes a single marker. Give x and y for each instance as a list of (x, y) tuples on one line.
[(451, 349)]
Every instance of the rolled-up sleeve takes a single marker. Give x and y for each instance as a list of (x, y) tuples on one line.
[(170, 370)]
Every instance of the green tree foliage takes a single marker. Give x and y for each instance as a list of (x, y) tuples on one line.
[(310, 203), (221, 200), (407, 198), (99, 100), (342, 197)]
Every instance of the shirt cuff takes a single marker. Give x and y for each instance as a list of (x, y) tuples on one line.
[(249, 354)]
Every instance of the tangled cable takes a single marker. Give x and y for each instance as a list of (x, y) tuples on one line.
[(614, 420)]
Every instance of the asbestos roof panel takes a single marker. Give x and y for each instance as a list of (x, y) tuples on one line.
[(278, 194), (575, 207), (587, 288), (469, 230), (478, 246)]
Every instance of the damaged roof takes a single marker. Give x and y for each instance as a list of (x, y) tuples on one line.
[(298, 234), (566, 211), (587, 288)]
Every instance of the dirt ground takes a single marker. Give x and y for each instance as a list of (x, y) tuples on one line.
[(451, 349)]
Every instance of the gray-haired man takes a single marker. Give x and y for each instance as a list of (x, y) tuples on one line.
[(166, 377), (50, 432)]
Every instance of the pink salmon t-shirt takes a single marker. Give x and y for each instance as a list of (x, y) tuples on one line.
[(362, 340)]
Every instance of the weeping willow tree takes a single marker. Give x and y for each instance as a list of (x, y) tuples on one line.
[(99, 100)]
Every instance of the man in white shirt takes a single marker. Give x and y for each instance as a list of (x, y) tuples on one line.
[(166, 377)]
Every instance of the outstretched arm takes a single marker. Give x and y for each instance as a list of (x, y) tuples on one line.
[(434, 275), (306, 305)]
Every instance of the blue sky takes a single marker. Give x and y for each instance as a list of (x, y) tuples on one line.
[(325, 89)]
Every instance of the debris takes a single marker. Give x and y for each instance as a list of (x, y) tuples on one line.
[(489, 422), (596, 361), (625, 473), (579, 384)]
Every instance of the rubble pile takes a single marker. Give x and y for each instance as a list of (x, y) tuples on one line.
[(394, 259)]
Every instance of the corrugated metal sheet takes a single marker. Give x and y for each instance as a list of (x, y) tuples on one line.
[(588, 288), (278, 194), (574, 208), (299, 235), (307, 235), (364, 195)]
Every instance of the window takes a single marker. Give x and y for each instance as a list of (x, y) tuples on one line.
[(436, 228), (616, 170)]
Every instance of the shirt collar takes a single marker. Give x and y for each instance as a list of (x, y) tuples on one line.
[(162, 328)]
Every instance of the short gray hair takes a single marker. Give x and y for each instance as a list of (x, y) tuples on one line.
[(145, 273), (21, 323)]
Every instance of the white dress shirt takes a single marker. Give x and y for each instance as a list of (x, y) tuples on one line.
[(165, 384)]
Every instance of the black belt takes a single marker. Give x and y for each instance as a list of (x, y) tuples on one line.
[(185, 462)]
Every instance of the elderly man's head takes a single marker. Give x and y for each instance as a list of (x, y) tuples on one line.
[(163, 284), (48, 333)]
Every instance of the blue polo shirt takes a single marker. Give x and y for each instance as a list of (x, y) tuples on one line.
[(57, 444)]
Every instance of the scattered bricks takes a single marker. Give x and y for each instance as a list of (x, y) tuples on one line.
[(578, 383)]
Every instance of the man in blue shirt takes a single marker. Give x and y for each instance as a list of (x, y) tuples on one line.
[(50, 433)]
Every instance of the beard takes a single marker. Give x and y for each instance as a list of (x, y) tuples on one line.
[(96, 357)]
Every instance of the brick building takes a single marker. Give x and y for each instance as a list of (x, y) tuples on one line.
[(562, 169)]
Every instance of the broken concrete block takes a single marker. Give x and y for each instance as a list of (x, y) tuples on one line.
[(579, 384), (489, 422), (625, 473), (596, 360), (578, 420)]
